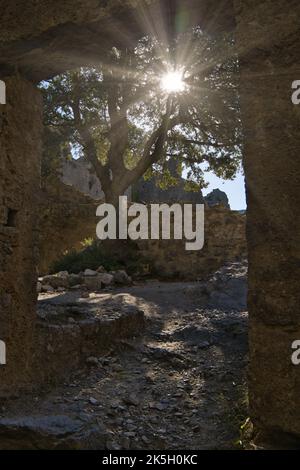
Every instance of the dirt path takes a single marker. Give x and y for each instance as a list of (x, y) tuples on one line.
[(180, 386)]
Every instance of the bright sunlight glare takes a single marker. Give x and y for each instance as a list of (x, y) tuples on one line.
[(172, 82)]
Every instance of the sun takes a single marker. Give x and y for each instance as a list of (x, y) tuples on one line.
[(172, 82)]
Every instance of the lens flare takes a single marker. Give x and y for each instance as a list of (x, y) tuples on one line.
[(172, 82)]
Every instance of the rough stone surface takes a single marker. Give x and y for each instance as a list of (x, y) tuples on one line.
[(53, 36), (66, 221), (180, 385), (79, 174), (20, 147), (122, 278), (93, 283), (106, 279), (66, 218), (269, 42), (225, 240), (35, 432), (71, 329), (226, 289)]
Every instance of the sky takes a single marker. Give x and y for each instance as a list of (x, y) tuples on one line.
[(235, 189)]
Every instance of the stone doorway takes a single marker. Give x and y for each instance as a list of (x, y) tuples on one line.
[(268, 40)]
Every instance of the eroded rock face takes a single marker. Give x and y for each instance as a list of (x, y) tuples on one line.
[(79, 174), (42, 39), (227, 288), (269, 64), (20, 149), (52, 432), (225, 240), (71, 329), (65, 218)]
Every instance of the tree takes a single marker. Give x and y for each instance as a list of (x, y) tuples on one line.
[(120, 117)]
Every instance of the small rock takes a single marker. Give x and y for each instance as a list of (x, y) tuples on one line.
[(203, 345), (93, 361), (106, 279), (75, 280), (101, 269), (93, 401), (63, 274), (121, 277), (90, 272), (113, 445), (47, 288), (56, 280), (85, 295), (145, 440), (160, 406), (131, 400), (125, 443), (93, 283)]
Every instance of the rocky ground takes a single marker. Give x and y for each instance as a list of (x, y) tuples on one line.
[(180, 385)]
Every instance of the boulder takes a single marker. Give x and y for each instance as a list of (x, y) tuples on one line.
[(90, 273), (75, 280), (101, 269), (38, 432), (56, 280), (93, 283), (122, 278), (63, 274), (106, 279), (47, 288)]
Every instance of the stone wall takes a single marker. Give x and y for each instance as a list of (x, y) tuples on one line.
[(225, 240), (46, 37), (268, 36), (66, 218), (20, 148), (80, 175)]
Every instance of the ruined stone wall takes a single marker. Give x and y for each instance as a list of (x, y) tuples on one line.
[(66, 218), (225, 240), (20, 150), (268, 38), (80, 175)]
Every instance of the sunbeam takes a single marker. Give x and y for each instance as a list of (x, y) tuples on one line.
[(172, 82)]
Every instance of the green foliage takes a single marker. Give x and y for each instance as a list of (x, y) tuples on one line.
[(96, 253), (90, 258)]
